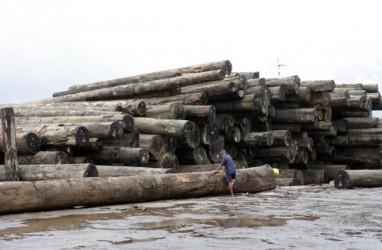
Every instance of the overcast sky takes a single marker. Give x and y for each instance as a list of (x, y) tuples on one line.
[(47, 46)]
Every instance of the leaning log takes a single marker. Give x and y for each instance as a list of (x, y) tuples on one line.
[(358, 178), (58, 194), (26, 143), (52, 172), (58, 135), (136, 89)]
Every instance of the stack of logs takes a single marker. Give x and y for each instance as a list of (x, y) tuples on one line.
[(178, 120)]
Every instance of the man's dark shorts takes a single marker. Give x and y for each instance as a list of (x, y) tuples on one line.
[(231, 177)]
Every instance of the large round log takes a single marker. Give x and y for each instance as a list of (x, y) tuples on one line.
[(319, 85), (58, 135), (312, 176), (199, 113), (153, 143), (44, 157), (296, 115), (58, 194), (166, 160), (136, 89), (196, 155), (258, 139), (358, 178), (173, 128), (113, 171), (292, 173), (330, 170), (125, 155), (281, 138), (26, 143), (291, 83), (52, 171), (173, 110), (216, 90), (186, 99)]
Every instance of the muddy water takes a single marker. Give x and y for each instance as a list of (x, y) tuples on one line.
[(306, 217)]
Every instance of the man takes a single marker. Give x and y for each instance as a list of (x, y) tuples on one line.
[(230, 169)]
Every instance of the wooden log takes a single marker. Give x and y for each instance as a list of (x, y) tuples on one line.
[(283, 182), (281, 138), (370, 87), (277, 93), (375, 97), (358, 178), (362, 123), (9, 146), (292, 127), (52, 172), (296, 115), (214, 149), (94, 145), (124, 155), (284, 154), (81, 160), (292, 173), (258, 139), (330, 170), (358, 155), (169, 144), (62, 112), (196, 155), (291, 83), (216, 90), (186, 99), (314, 177), (126, 140), (209, 133), (302, 157), (58, 194), (318, 100), (339, 98), (226, 66), (126, 120), (136, 89), (319, 85), (57, 135), (355, 86), (305, 143), (44, 157), (153, 144), (166, 160), (304, 94), (132, 107), (173, 128), (233, 135), (114, 171), (249, 75), (247, 103), (26, 143), (225, 121), (200, 113), (328, 114), (172, 110)]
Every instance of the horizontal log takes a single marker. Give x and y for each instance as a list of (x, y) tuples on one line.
[(292, 173), (319, 85), (124, 155), (52, 172), (33, 196), (200, 113), (44, 157), (249, 75), (63, 112), (312, 176), (296, 115), (330, 170), (166, 160), (281, 138), (258, 139), (247, 103), (173, 128), (361, 122), (358, 155), (114, 171), (370, 87), (172, 110), (358, 178), (58, 135), (186, 99), (196, 155), (26, 143), (216, 90)]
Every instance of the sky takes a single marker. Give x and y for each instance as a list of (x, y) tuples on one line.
[(47, 46)]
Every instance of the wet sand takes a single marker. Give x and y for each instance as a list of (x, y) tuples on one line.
[(299, 217)]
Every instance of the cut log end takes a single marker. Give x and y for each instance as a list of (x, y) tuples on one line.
[(141, 108), (128, 123), (33, 143), (82, 136), (91, 171), (342, 180)]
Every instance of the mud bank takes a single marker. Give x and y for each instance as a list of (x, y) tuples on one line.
[(300, 217)]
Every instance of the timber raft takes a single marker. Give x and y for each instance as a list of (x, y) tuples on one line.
[(174, 122)]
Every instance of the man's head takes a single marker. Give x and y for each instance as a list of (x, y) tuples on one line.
[(222, 153)]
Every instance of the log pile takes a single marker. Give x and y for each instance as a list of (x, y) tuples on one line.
[(180, 119)]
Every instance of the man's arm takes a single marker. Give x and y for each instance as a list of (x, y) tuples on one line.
[(218, 169)]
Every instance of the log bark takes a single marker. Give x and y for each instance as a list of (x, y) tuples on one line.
[(362, 123), (296, 115), (249, 75), (358, 155), (370, 88), (226, 66), (63, 112), (292, 173), (173, 110), (126, 120), (256, 82), (58, 194), (124, 155), (281, 138), (291, 83), (136, 89), (114, 171), (312, 176), (319, 85), (45, 157), (283, 182), (166, 160), (292, 127), (209, 133), (52, 172), (330, 171), (216, 90), (57, 135), (277, 93), (9, 146), (305, 143), (26, 143), (153, 144), (247, 103), (277, 154), (258, 139), (200, 113), (196, 155), (358, 178), (173, 128), (130, 140), (187, 99)]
